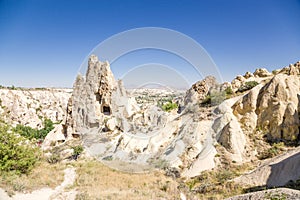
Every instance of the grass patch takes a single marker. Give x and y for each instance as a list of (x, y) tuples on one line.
[(218, 184), (42, 175), (97, 180), (274, 150)]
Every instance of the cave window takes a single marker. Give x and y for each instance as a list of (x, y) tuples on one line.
[(106, 110)]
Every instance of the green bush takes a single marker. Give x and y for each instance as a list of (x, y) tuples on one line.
[(228, 92), (77, 150), (247, 86), (169, 106), (31, 133), (207, 100), (16, 153), (213, 98)]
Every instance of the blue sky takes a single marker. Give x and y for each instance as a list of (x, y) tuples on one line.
[(43, 43)]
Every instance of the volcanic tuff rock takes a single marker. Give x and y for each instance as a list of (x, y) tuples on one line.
[(274, 172), (30, 106), (199, 90), (262, 72), (272, 108), (97, 97), (99, 104), (113, 127)]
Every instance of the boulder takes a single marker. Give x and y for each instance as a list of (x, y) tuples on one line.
[(237, 82), (248, 75), (199, 90), (262, 72)]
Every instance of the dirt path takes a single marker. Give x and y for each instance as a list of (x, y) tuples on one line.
[(47, 193)]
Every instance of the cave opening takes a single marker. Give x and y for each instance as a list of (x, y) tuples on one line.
[(106, 110)]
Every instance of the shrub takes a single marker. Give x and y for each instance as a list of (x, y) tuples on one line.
[(228, 92), (169, 106), (213, 98), (16, 153), (207, 100), (77, 151), (247, 86), (31, 133), (273, 151)]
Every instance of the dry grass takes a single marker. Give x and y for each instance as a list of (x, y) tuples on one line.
[(218, 184), (43, 175), (97, 181)]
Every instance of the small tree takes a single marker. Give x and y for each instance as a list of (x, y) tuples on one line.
[(16, 153)]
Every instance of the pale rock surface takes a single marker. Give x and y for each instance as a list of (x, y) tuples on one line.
[(278, 193), (277, 107), (30, 106), (237, 82), (96, 97), (115, 129), (248, 75), (262, 72), (54, 137), (276, 171), (199, 90)]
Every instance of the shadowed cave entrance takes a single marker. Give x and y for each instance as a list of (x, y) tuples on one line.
[(106, 110)]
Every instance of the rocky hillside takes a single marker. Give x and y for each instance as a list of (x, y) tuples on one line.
[(214, 131), (30, 106), (256, 110)]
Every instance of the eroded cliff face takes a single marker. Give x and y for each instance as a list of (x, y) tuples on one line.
[(97, 97), (30, 106), (272, 108)]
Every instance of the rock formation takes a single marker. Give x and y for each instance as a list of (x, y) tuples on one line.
[(30, 106), (97, 97), (200, 90), (114, 128), (262, 72)]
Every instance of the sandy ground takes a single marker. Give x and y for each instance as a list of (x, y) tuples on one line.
[(47, 193)]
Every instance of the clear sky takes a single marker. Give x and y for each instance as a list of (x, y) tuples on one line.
[(43, 43)]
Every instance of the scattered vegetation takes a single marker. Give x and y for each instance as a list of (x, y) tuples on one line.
[(169, 106), (293, 184), (16, 153), (273, 151), (247, 86), (42, 175), (77, 150), (213, 98), (31, 133), (275, 196), (228, 92), (54, 158), (95, 179), (217, 183)]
